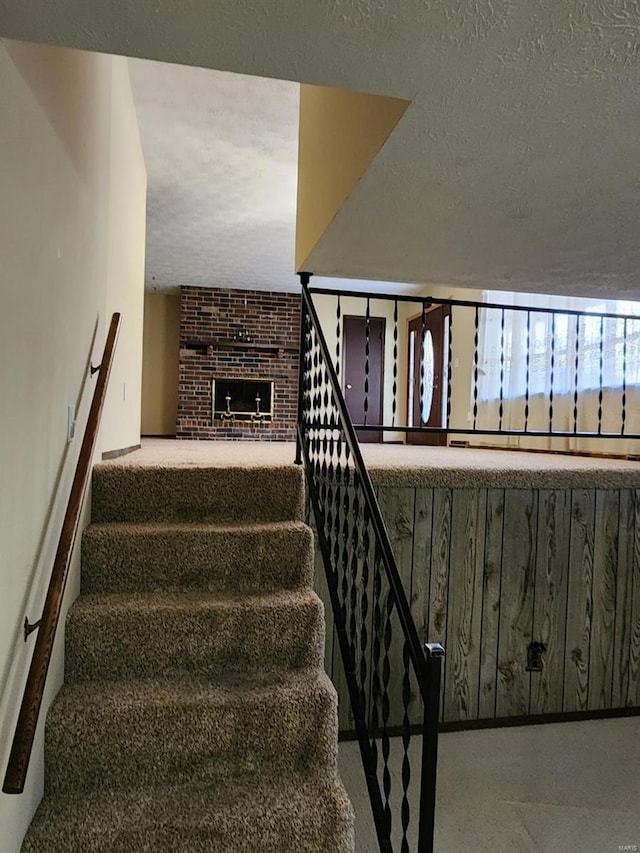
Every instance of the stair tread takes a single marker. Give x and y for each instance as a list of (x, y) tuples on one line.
[(166, 731), (113, 636), (127, 557), (178, 526), (273, 815), (190, 600), (188, 493), (235, 688)]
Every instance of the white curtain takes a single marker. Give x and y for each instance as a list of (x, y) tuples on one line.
[(553, 356)]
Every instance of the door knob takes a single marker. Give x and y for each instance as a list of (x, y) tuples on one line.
[(348, 387)]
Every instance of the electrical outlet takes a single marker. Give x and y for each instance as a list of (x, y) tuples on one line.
[(71, 423)]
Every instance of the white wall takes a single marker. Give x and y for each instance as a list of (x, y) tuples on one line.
[(72, 189)]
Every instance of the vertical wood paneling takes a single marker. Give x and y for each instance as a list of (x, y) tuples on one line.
[(516, 608), (624, 596), (579, 601), (633, 686), (439, 586), (397, 507), (491, 603), (423, 524), (486, 572), (550, 600), (464, 619), (605, 568), (419, 594)]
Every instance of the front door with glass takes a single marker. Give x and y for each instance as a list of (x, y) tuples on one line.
[(428, 374)]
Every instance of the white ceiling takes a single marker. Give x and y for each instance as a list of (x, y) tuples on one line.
[(221, 153), (516, 164)]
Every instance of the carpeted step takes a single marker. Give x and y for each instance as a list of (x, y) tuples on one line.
[(171, 634), (243, 558), (180, 731), (298, 815), (136, 493)]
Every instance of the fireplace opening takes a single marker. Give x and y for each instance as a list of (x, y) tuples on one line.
[(242, 400)]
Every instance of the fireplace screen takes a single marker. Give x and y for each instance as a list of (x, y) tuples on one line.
[(242, 400)]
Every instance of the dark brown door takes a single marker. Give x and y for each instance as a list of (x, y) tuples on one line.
[(427, 374), (364, 404)]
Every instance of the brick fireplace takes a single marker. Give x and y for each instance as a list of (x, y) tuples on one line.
[(238, 341)]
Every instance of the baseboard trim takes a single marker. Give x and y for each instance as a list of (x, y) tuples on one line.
[(114, 454), (509, 722)]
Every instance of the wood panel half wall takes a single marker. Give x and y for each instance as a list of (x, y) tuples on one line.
[(490, 571)]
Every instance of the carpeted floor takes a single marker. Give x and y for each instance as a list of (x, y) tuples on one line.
[(403, 465), (552, 788)]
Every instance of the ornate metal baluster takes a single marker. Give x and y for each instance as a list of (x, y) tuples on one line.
[(575, 376), (423, 332), (450, 366), (376, 687), (386, 709), (528, 368), (501, 406), (395, 361), (338, 334), (346, 537), (406, 739), (336, 475), (551, 372), (475, 368), (364, 609), (353, 580), (624, 377), (367, 347), (600, 393)]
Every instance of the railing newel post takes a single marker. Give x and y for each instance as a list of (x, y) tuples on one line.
[(304, 282), (434, 655)]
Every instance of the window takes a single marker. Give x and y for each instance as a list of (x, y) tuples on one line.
[(542, 352)]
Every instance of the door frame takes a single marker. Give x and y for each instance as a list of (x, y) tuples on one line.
[(383, 320)]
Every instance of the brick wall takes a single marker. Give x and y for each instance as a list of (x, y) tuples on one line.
[(209, 320)]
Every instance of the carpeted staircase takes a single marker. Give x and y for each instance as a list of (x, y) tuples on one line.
[(195, 715)]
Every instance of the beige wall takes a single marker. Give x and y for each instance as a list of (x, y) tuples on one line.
[(71, 185), (125, 268), (340, 134), (160, 363)]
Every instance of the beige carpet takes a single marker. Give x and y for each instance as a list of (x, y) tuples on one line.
[(195, 714), (402, 465)]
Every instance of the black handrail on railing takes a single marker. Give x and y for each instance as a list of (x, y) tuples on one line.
[(528, 382), (370, 606), (18, 764)]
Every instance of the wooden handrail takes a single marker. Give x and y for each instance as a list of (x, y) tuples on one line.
[(32, 699)]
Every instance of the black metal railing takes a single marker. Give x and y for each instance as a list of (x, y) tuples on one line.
[(517, 371), (395, 711)]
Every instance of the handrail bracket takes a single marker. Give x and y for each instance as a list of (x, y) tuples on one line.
[(30, 627)]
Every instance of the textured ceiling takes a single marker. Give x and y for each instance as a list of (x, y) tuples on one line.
[(221, 152), (515, 165)]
